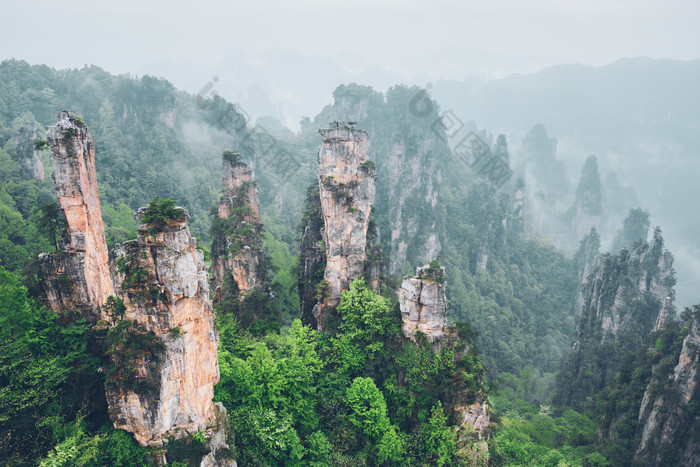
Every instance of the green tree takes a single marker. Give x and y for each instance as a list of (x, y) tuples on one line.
[(439, 437), (369, 413), (51, 222)]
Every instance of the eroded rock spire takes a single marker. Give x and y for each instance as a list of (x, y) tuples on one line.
[(346, 188), (238, 245), (423, 303), (154, 305), (79, 277), (167, 389)]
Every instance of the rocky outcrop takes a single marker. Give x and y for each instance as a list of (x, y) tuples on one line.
[(424, 310), (423, 303), (346, 191), (477, 416), (27, 153), (413, 179), (585, 259), (411, 154), (162, 280), (623, 297), (159, 323), (312, 256), (77, 277), (237, 250), (668, 416)]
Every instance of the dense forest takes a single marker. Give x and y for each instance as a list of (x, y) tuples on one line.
[(576, 351)]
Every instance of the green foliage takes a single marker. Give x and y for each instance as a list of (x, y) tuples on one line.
[(45, 369), (433, 273), (107, 447), (365, 327), (161, 212), (368, 412), (319, 450), (120, 224), (138, 281), (51, 222), (231, 156), (135, 355), (187, 451), (369, 166), (539, 439), (440, 445), (323, 291), (269, 390), (114, 307)]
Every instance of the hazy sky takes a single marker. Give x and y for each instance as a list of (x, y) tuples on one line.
[(448, 39)]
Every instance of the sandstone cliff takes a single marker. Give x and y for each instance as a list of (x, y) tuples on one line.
[(312, 256), (346, 190), (79, 276), (28, 156), (668, 413), (424, 310), (238, 247), (585, 259), (412, 155), (423, 303), (623, 297), (160, 335), (167, 389), (413, 178)]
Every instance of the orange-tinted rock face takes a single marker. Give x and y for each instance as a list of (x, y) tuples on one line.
[(237, 249), (171, 299), (347, 188), (79, 278), (162, 280)]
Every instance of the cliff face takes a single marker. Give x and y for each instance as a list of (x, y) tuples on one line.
[(346, 189), (424, 309), (312, 255), (163, 284), (238, 248), (411, 155), (160, 335), (78, 278), (423, 304), (413, 178), (669, 417), (623, 297), (585, 259), (27, 155)]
